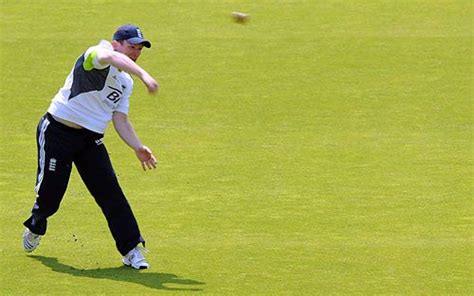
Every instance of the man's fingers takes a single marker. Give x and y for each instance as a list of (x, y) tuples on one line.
[(153, 88), (151, 84), (150, 164)]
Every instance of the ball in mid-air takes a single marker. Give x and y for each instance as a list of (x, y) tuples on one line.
[(240, 17)]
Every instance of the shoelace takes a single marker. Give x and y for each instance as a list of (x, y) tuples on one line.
[(32, 237), (142, 250), (138, 253)]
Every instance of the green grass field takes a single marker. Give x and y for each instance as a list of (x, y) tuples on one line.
[(326, 147)]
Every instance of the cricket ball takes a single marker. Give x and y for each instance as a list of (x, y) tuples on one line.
[(240, 17)]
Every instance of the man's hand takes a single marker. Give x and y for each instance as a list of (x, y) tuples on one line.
[(150, 83), (146, 157)]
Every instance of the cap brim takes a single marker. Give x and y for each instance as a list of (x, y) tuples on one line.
[(138, 40)]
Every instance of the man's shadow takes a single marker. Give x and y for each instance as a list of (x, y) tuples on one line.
[(122, 274)]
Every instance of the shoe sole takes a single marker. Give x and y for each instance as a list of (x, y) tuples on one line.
[(139, 267)]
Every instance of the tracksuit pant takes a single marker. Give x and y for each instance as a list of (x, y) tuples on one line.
[(60, 146)]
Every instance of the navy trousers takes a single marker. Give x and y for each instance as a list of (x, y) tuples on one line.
[(60, 146)]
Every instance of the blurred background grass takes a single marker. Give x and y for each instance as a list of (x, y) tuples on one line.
[(323, 148)]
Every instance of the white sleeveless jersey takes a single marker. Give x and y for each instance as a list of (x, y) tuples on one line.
[(92, 92)]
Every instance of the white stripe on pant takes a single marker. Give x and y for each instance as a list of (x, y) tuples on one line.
[(42, 153)]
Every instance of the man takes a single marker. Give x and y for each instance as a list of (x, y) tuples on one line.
[(96, 92)]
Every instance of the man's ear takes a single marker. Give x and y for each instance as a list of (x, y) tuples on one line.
[(116, 44)]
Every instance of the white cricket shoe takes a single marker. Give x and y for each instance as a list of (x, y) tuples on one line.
[(30, 240), (135, 259)]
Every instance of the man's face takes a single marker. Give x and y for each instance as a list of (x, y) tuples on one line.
[(133, 51)]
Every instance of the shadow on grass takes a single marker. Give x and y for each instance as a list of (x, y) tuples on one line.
[(122, 274)]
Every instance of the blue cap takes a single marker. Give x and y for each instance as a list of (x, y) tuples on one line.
[(132, 34)]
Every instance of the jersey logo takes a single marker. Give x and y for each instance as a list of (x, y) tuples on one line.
[(115, 95), (52, 164)]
